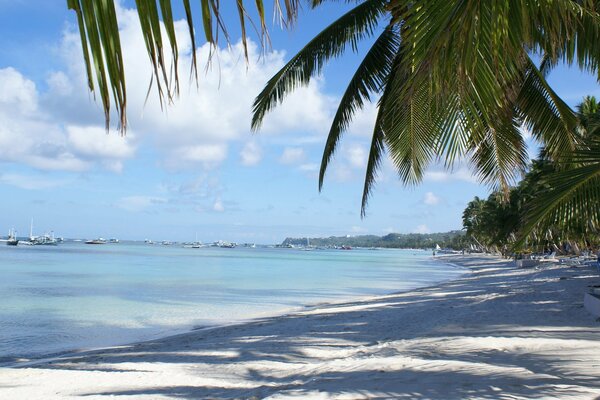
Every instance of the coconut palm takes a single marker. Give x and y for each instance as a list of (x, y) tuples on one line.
[(453, 79), (571, 198), (588, 115)]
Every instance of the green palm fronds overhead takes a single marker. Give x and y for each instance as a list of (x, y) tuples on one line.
[(453, 79), (461, 81), (101, 43)]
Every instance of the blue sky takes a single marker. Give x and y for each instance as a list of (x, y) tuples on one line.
[(197, 167)]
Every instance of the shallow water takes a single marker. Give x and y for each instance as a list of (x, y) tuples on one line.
[(76, 296)]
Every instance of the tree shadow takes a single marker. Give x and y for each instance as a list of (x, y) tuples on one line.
[(468, 338)]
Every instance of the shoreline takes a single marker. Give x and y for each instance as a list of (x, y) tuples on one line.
[(54, 356), (496, 332)]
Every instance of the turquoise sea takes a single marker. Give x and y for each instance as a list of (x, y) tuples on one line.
[(78, 296)]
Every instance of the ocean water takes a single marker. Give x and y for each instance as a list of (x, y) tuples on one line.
[(78, 296)]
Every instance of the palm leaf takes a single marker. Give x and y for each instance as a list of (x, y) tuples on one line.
[(102, 53), (357, 24), (572, 197), (378, 141), (370, 77), (545, 114)]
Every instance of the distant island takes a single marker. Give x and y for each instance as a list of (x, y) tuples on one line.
[(453, 239)]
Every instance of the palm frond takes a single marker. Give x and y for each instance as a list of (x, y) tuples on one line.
[(370, 77), (102, 53), (571, 198), (355, 25), (500, 156), (99, 34), (378, 140), (545, 114)]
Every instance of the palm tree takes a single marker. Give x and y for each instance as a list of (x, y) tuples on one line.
[(452, 78), (571, 198), (588, 115)]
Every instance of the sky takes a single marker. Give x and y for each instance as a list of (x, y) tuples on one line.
[(196, 168)]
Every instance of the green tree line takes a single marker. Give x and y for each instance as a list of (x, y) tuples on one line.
[(509, 221), (453, 239)]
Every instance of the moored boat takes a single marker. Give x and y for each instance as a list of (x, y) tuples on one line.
[(44, 240), (96, 241), (12, 238)]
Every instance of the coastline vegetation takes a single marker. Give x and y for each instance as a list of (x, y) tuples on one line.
[(554, 208), (454, 239)]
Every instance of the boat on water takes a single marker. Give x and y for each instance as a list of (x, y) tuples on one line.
[(113, 240), (226, 245), (193, 245), (47, 239), (43, 240), (96, 241), (12, 238)]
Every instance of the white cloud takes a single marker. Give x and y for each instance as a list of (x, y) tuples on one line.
[(30, 182), (17, 94), (422, 229), (95, 142), (459, 174), (356, 156), (139, 203), (251, 154), (30, 135), (431, 199), (218, 206), (218, 111), (340, 172), (311, 167), (292, 155), (195, 130), (208, 155), (364, 120)]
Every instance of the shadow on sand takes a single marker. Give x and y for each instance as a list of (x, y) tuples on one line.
[(469, 338)]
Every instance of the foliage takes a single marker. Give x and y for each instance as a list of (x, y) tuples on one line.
[(453, 79), (571, 198), (103, 56), (555, 206), (452, 239)]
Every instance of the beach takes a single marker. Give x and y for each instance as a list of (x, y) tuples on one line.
[(496, 332)]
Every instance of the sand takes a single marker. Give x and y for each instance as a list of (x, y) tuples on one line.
[(495, 333)]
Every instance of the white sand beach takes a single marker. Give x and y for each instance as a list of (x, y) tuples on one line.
[(496, 333)]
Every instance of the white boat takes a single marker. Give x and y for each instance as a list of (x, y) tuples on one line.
[(12, 238), (44, 240), (96, 241), (47, 239), (113, 240)]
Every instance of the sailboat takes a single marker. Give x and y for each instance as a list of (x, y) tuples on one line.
[(44, 240), (12, 238), (308, 246)]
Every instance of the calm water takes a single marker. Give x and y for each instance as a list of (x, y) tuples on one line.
[(81, 296)]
